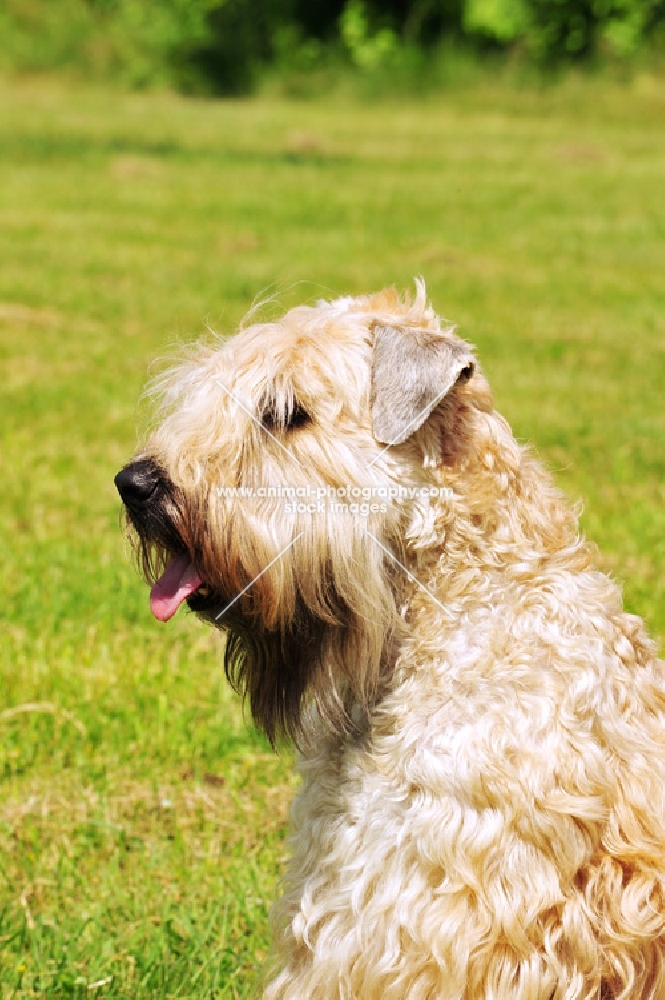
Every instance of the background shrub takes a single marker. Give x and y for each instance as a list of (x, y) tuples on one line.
[(223, 46)]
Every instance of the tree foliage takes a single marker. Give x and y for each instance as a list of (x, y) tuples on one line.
[(221, 45)]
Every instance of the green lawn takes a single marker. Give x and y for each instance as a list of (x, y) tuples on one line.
[(142, 823)]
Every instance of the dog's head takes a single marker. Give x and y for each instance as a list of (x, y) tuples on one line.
[(284, 487)]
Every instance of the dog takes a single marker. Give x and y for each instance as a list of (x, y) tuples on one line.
[(406, 595)]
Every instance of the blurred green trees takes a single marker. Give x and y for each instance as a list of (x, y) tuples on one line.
[(222, 45)]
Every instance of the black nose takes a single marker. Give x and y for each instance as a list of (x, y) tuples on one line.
[(137, 482)]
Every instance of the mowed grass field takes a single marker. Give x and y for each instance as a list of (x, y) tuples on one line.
[(142, 821)]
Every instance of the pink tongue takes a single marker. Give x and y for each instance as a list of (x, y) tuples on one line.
[(176, 583)]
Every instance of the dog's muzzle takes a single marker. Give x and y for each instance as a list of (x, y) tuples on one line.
[(154, 511)]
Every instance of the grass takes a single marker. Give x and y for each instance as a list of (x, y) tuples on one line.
[(142, 823)]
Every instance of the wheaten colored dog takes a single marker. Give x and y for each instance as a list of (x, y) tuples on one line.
[(481, 725)]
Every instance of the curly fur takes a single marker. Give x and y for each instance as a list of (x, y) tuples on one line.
[(482, 814)]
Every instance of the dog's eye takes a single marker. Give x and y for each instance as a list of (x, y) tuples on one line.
[(296, 417)]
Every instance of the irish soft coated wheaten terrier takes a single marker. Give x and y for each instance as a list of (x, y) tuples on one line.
[(405, 593)]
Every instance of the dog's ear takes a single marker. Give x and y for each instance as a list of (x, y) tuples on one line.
[(412, 371)]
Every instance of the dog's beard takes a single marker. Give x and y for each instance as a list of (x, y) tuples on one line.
[(290, 651), (279, 672), (276, 672), (293, 677)]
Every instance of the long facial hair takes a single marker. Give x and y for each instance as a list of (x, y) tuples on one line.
[(313, 637)]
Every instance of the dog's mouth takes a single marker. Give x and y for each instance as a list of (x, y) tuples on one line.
[(179, 582), (157, 522)]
